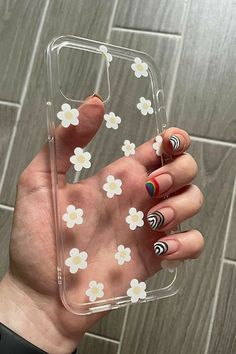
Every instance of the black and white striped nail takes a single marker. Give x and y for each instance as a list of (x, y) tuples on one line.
[(156, 220), (175, 142), (166, 247), (160, 247)]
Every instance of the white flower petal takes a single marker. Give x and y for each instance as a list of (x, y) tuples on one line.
[(66, 107), (74, 268)]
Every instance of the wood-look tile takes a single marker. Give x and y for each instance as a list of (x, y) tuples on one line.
[(111, 325), (180, 324), (92, 345), (7, 121), (204, 100), (162, 49), (81, 18), (6, 218), (152, 15), (231, 244), (18, 29), (223, 339)]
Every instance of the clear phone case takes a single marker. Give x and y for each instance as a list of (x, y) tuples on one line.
[(99, 226)]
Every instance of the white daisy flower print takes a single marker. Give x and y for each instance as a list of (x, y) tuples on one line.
[(157, 145), (123, 254), (170, 264), (80, 159), (145, 106), (137, 290), (112, 186), (112, 121), (107, 55), (128, 148), (140, 68), (77, 260), (73, 216), (95, 290), (135, 218), (68, 116)]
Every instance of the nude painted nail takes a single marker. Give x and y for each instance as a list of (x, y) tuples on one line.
[(160, 218), (159, 185), (165, 247)]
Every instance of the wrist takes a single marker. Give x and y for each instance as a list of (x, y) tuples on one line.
[(20, 312)]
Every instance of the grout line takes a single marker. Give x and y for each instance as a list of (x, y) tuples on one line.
[(123, 329), (178, 56), (6, 207), (102, 338), (218, 283), (212, 141), (9, 103), (230, 261), (23, 95), (134, 30)]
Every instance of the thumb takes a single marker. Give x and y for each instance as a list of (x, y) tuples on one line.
[(67, 139)]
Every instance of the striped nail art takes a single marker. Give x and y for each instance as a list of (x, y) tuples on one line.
[(156, 220), (160, 248), (175, 142), (152, 187)]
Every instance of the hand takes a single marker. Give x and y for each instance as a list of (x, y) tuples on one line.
[(29, 300)]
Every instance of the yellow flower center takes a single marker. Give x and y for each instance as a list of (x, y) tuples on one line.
[(136, 290), (73, 215), (95, 291), (112, 186), (134, 218), (77, 260), (113, 119), (122, 254), (128, 147), (139, 67), (81, 159), (68, 115), (145, 105)]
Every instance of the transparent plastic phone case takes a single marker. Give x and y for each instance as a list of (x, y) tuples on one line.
[(105, 255)]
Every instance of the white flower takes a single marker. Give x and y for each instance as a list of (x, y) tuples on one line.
[(112, 187), (80, 159), (112, 120), (95, 290), (128, 148), (107, 55), (139, 67), (68, 116), (134, 219), (145, 106), (77, 260), (170, 265), (73, 216), (157, 145), (123, 254), (137, 290)]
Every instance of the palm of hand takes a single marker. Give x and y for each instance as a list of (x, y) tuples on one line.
[(33, 250)]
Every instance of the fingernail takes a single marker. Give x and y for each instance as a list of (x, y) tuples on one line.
[(175, 141), (165, 247), (98, 96), (160, 218), (159, 185)]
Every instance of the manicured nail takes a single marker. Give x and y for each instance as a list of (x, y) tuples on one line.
[(160, 218), (98, 96), (159, 185), (165, 247), (175, 142)]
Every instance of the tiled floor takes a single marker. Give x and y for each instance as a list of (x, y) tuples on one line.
[(193, 43)]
